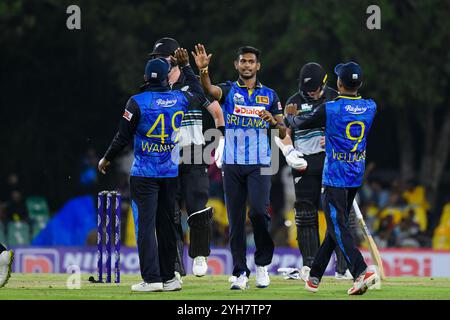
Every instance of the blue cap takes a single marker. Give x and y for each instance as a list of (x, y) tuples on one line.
[(350, 74), (157, 70)]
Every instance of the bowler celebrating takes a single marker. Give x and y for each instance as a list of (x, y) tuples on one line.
[(249, 108)]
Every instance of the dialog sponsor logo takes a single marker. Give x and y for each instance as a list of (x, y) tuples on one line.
[(245, 111), (355, 109), (166, 103)]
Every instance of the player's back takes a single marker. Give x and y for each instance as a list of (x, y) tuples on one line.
[(155, 143), (348, 121)]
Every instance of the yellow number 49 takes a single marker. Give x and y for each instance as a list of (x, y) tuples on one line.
[(160, 119), (358, 138)]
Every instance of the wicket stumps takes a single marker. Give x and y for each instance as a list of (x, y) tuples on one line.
[(105, 218)]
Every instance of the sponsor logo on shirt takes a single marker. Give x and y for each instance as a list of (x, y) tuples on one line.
[(246, 111), (127, 115), (262, 99), (166, 103), (355, 109), (306, 107)]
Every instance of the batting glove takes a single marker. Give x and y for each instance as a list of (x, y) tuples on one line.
[(294, 159)]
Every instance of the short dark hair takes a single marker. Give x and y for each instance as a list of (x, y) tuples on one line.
[(248, 49), (348, 88)]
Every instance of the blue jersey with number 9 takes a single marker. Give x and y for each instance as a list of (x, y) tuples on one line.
[(156, 152), (348, 122)]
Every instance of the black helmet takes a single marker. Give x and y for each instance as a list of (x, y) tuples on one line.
[(312, 77), (164, 47)]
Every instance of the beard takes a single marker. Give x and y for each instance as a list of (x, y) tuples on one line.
[(247, 76)]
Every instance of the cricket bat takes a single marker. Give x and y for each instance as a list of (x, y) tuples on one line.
[(372, 246)]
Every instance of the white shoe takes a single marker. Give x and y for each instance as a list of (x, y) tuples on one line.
[(178, 276), (377, 285), (172, 285), (346, 276), (304, 273), (200, 267), (241, 283), (362, 283), (147, 287), (262, 277), (6, 260)]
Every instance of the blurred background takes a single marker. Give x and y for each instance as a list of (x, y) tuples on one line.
[(63, 92)]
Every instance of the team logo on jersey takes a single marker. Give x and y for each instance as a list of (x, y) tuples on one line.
[(355, 109), (262, 99), (306, 107), (127, 115), (246, 111), (166, 103), (238, 98)]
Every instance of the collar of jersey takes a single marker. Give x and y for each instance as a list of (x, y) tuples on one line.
[(241, 84), (341, 96)]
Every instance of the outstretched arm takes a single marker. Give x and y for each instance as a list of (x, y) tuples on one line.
[(202, 60), (127, 128), (182, 58), (216, 112), (315, 119)]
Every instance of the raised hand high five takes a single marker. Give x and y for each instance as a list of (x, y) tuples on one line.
[(202, 59)]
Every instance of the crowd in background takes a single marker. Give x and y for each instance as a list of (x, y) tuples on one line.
[(397, 214)]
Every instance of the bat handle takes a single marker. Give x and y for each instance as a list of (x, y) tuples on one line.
[(357, 210)]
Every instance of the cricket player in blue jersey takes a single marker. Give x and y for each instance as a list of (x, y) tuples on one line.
[(249, 109), (347, 122), (153, 118)]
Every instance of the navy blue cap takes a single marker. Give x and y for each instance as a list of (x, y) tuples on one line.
[(350, 74), (157, 70)]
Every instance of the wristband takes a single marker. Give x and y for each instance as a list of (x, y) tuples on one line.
[(204, 70)]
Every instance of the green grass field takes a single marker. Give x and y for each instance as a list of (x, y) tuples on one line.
[(53, 286)]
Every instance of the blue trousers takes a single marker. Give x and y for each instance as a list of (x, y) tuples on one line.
[(242, 183), (153, 204), (337, 203)]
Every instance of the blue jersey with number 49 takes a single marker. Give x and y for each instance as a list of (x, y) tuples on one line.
[(348, 122), (156, 152)]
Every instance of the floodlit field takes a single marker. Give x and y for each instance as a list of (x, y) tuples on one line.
[(53, 286)]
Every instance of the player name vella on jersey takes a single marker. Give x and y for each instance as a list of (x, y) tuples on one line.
[(349, 157)]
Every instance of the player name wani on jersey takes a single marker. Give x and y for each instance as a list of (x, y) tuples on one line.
[(157, 147)]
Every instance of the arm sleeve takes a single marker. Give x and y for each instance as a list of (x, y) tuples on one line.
[(192, 81), (275, 108), (195, 96), (311, 120), (225, 87), (127, 128)]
